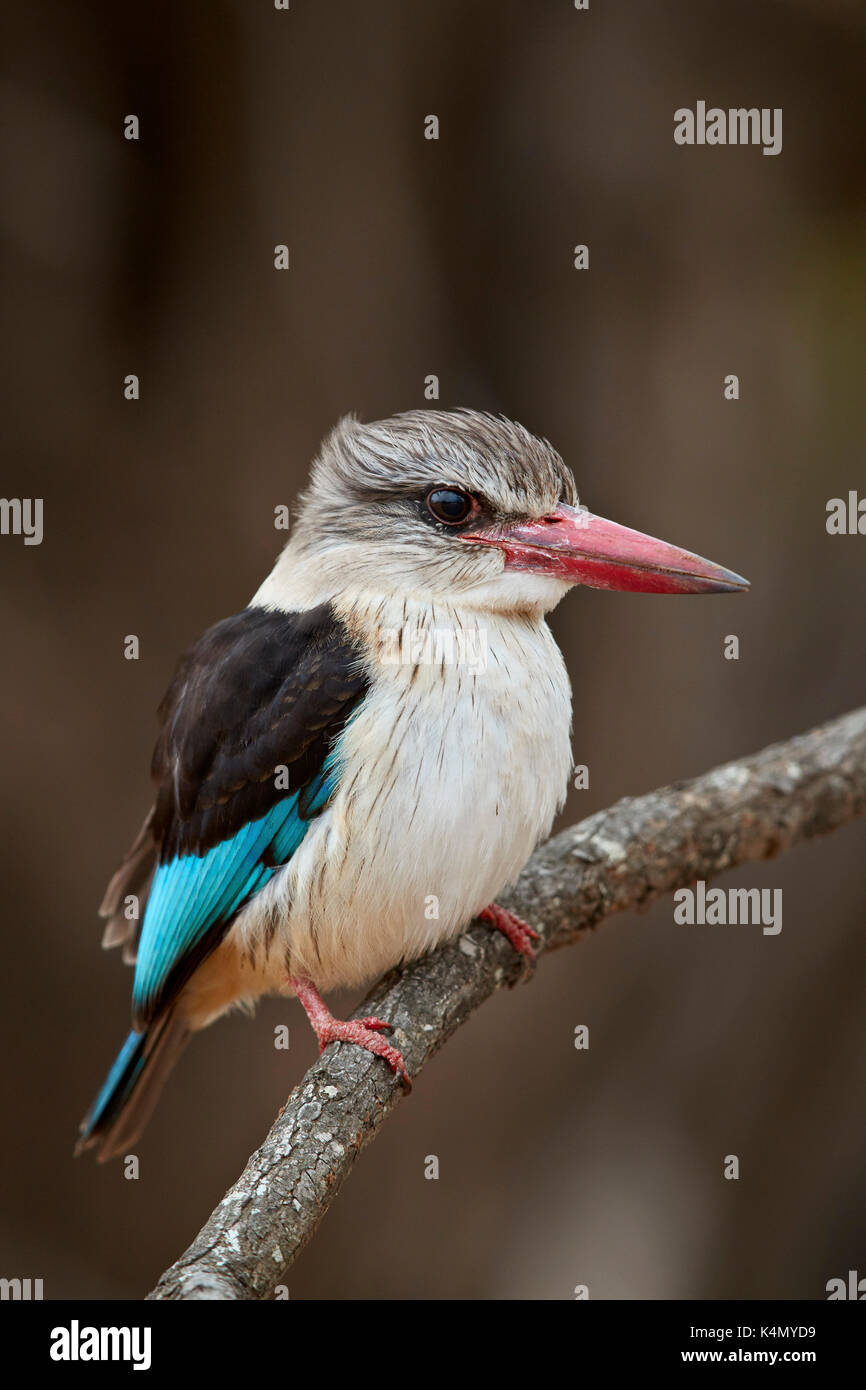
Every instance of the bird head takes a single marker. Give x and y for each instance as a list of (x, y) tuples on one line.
[(471, 508)]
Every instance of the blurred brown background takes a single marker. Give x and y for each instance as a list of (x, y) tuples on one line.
[(410, 257)]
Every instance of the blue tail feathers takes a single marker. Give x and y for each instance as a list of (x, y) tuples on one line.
[(131, 1089), (117, 1086)]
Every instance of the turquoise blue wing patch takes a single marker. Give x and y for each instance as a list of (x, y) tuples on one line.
[(194, 897)]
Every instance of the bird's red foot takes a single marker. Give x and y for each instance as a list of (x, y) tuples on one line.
[(519, 933), (364, 1032)]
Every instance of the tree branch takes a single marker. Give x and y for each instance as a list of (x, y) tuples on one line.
[(618, 859)]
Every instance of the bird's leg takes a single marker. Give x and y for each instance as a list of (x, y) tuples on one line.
[(361, 1031), (519, 933)]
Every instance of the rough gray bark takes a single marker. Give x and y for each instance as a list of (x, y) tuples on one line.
[(620, 858)]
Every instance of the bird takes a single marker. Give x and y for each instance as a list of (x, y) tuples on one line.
[(386, 724)]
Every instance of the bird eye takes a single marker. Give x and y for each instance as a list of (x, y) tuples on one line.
[(450, 506)]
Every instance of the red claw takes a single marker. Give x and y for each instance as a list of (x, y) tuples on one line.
[(363, 1032), (519, 933)]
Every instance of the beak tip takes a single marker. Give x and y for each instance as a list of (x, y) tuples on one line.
[(731, 583)]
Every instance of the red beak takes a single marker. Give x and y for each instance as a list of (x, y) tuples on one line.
[(573, 544)]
